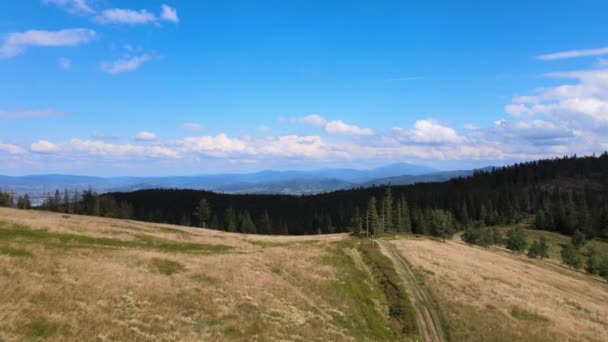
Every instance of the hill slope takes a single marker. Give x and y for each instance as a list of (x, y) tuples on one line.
[(70, 277)]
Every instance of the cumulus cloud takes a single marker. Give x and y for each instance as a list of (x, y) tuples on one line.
[(28, 113), (169, 14), (428, 131), (535, 131), (313, 119), (336, 127), (574, 54), (44, 146), (583, 104), (16, 43), (77, 7), (10, 148), (124, 65), (145, 136), (126, 16), (342, 128)]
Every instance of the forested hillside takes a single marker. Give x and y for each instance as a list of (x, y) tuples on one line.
[(565, 195)]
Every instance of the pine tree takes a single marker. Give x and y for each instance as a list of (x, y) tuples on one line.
[(203, 213), (440, 223), (230, 221), (356, 224), (406, 219), (66, 201), (264, 225), (387, 211), (372, 219), (246, 225)]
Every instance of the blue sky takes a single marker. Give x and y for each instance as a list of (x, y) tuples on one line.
[(107, 87)]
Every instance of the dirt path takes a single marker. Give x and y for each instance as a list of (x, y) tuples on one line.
[(428, 318)]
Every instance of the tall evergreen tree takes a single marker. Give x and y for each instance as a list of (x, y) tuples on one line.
[(264, 225), (203, 213), (230, 220), (372, 218), (387, 211), (246, 223)]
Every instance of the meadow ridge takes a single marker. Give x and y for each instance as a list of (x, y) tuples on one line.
[(88, 278)]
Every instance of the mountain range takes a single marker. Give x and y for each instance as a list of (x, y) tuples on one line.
[(263, 182)]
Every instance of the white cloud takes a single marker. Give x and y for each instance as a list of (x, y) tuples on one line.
[(125, 16), (574, 54), (342, 128), (124, 65), (78, 7), (428, 131), (583, 104), (313, 119), (44, 146), (471, 127), (336, 127), (28, 113), (16, 43), (169, 14), (134, 17), (65, 63), (190, 126), (145, 136), (264, 128), (11, 149)]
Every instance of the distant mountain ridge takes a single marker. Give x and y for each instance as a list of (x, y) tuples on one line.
[(262, 182)]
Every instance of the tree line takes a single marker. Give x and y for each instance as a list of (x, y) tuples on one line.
[(564, 194)]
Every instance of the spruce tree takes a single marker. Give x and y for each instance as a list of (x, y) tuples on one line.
[(387, 211), (203, 213), (264, 225), (372, 218)]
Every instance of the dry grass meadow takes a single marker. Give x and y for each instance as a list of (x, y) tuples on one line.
[(495, 295), (79, 278)]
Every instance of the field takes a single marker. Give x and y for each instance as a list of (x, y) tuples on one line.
[(494, 295), (70, 277)]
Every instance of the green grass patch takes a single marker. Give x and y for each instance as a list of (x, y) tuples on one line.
[(400, 307), (11, 232), (40, 328), (557, 240), (267, 244), (524, 315), (14, 252), (356, 297), (166, 266)]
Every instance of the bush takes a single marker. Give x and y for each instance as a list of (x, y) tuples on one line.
[(517, 240), (578, 239), (571, 257)]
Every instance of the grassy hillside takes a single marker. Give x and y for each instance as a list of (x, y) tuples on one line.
[(70, 277), (495, 295), (67, 277)]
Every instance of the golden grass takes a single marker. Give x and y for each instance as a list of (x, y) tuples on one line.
[(86, 278), (494, 295)]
